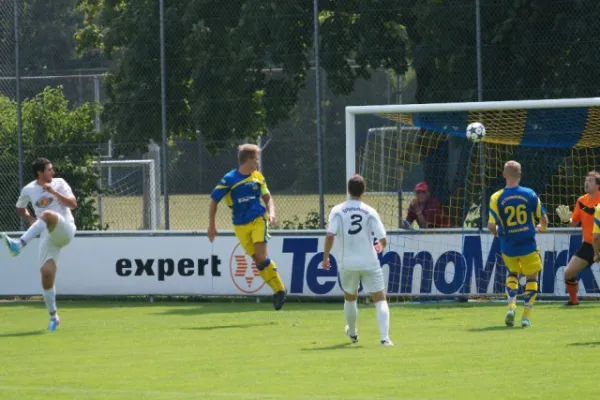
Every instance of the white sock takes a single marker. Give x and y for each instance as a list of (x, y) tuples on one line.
[(383, 319), (351, 313), (50, 299), (33, 231)]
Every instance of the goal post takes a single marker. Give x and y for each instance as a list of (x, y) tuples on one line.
[(130, 198), (396, 147), (387, 111), (526, 125)]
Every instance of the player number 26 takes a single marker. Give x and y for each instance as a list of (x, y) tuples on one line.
[(520, 212)]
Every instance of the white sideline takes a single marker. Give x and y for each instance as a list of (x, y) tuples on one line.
[(194, 395)]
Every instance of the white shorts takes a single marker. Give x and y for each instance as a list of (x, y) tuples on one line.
[(372, 280), (52, 242)]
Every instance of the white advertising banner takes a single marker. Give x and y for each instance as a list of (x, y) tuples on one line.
[(188, 264)]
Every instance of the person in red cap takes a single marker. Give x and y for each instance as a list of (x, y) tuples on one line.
[(424, 209)]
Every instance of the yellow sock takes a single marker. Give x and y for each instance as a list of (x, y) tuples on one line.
[(531, 289), (264, 274), (512, 286), (271, 277)]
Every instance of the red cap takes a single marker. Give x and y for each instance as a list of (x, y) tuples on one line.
[(422, 186)]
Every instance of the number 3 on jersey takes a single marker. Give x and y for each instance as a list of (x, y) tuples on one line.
[(519, 213), (355, 225)]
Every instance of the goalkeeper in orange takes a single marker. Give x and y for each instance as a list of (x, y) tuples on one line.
[(583, 214), (242, 189), (512, 213)]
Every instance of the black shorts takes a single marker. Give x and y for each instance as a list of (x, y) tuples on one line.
[(586, 252)]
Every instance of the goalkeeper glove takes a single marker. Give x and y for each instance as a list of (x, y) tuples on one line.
[(564, 214)]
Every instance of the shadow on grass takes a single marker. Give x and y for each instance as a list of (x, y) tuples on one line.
[(338, 346), (179, 307), (22, 334), (223, 308), (217, 327), (493, 328), (585, 344)]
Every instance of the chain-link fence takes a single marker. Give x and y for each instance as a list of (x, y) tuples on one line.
[(9, 174), (236, 71)]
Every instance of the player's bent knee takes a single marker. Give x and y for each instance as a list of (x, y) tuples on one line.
[(350, 297), (49, 216), (576, 265), (378, 296)]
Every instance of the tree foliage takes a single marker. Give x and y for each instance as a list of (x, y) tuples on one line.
[(62, 134), (218, 59), (530, 49)]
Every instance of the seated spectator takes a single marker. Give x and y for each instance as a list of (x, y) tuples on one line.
[(426, 210)]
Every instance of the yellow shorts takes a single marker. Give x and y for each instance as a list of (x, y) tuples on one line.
[(526, 265), (253, 232)]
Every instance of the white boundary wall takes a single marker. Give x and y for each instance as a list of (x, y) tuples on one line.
[(185, 263)]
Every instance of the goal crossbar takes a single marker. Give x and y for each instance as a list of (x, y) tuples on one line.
[(352, 111)]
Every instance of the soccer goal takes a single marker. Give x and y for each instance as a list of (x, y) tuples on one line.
[(130, 194), (396, 147)]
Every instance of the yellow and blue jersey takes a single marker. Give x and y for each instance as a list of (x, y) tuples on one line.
[(514, 211), (596, 229), (242, 194)]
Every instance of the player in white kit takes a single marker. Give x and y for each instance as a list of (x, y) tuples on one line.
[(356, 225), (52, 200)]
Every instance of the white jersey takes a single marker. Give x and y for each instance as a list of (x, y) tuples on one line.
[(42, 200), (356, 225)]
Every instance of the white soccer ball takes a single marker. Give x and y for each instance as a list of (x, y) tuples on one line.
[(475, 131)]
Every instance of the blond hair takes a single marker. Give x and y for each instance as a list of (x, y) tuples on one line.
[(246, 152), (512, 170)]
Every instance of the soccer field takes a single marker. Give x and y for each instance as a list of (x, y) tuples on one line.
[(135, 350)]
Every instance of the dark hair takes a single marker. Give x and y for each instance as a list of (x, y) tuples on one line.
[(39, 165), (596, 175), (356, 186)]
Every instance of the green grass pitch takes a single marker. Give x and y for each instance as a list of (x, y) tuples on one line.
[(176, 350)]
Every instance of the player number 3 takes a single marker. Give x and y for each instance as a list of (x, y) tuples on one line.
[(356, 220)]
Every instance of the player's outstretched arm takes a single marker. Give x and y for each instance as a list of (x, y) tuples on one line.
[(565, 215), (212, 227)]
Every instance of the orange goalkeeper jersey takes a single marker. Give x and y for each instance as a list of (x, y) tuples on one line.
[(584, 213)]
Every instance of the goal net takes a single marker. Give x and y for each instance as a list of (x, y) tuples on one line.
[(130, 194), (420, 155)]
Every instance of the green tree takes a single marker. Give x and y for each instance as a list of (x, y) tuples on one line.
[(64, 135), (218, 57), (530, 49), (47, 37)]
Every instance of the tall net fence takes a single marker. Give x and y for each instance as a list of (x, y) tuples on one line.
[(242, 68), (557, 147), (423, 173)]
